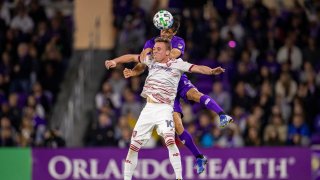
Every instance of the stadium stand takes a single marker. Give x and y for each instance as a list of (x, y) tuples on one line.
[(272, 82)]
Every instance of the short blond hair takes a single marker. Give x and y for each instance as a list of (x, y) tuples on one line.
[(166, 41)]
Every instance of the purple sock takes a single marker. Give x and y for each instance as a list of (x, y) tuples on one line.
[(210, 104), (186, 139)]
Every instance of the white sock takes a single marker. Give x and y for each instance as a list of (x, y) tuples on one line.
[(131, 161), (175, 159)]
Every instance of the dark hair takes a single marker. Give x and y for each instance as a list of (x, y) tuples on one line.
[(164, 40), (176, 24)]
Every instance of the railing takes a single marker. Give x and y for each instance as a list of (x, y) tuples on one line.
[(72, 104)]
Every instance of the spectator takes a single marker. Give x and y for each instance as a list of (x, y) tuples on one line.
[(32, 103), (231, 138), (15, 112), (233, 26), (125, 139), (21, 70), (7, 138), (280, 135), (7, 133), (4, 12), (53, 139), (298, 132), (311, 52), (241, 98), (117, 82), (253, 138), (37, 12), (22, 21), (205, 126), (107, 97), (222, 97), (291, 54), (41, 97), (286, 87), (103, 133), (271, 137), (130, 106), (27, 132)]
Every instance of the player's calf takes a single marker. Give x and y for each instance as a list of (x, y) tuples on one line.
[(132, 158), (174, 154), (178, 123)]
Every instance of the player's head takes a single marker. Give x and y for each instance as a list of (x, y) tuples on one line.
[(169, 33), (161, 49)]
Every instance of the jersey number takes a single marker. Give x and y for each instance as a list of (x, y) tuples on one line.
[(169, 123)]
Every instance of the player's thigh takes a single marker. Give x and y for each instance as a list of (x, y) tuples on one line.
[(187, 91), (194, 95), (165, 123), (177, 106), (144, 126)]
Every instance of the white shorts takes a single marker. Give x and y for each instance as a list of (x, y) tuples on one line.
[(153, 115)]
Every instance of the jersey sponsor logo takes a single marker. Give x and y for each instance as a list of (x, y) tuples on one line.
[(154, 66), (180, 46), (207, 101), (176, 154), (187, 82)]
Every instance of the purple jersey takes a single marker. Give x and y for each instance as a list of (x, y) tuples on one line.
[(176, 42)]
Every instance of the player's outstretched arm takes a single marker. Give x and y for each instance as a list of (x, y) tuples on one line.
[(136, 71), (139, 68), (206, 70), (175, 53), (145, 52), (122, 59)]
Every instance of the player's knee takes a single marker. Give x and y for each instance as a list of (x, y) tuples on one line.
[(194, 95), (136, 145), (169, 140)]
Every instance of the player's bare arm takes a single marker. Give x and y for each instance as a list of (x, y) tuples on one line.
[(175, 53), (206, 70), (144, 53), (122, 59), (136, 71), (139, 68)]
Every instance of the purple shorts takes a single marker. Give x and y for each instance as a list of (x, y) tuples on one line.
[(184, 86)]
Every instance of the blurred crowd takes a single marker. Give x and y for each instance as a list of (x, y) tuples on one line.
[(271, 86), (35, 47)]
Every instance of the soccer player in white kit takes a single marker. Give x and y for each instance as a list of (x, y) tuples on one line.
[(160, 90)]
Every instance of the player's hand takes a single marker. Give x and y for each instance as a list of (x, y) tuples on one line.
[(218, 70), (128, 73), (110, 64)]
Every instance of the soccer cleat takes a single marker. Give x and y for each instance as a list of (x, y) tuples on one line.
[(200, 164), (225, 120)]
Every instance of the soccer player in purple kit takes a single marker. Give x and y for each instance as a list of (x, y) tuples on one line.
[(186, 90)]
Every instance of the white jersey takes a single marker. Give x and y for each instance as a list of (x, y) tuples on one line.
[(162, 82)]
